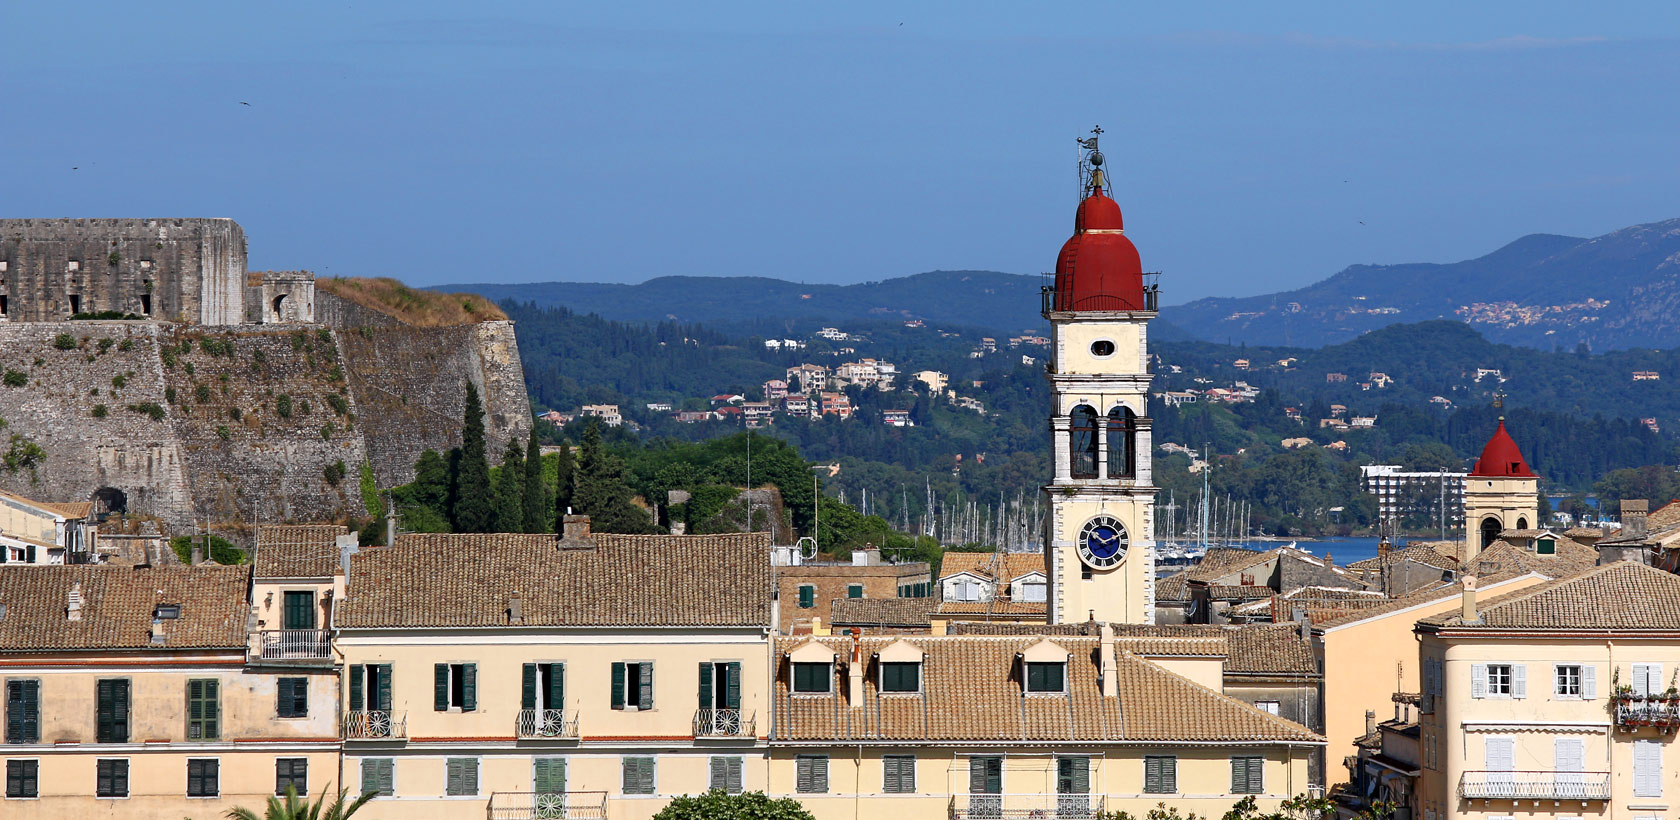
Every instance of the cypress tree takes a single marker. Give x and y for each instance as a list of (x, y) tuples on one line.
[(601, 492), (535, 494), (431, 483), (473, 507), (510, 490), (564, 485)]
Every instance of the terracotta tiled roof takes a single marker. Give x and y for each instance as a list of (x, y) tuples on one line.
[(117, 607), (297, 550), (1312, 598), (1226, 592), (1333, 617), (1009, 628), (1012, 609), (972, 692), (1269, 649), (882, 611), (1623, 596), (461, 579), (1441, 555), (1002, 567), (1503, 558), (1218, 563), (1663, 516)]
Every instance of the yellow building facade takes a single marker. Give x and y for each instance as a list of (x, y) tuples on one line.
[(1554, 702), (132, 692)]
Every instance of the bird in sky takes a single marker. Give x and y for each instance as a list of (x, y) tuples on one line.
[(242, 102)]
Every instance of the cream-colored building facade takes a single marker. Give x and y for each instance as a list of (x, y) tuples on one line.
[(1554, 701), (132, 692), (600, 675), (40, 532)]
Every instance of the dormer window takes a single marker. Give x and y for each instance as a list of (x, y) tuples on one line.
[(813, 678), (966, 589), (901, 677), (167, 612), (1047, 677), (1545, 546)]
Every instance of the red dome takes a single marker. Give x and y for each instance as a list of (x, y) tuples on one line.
[(1501, 458), (1099, 268)]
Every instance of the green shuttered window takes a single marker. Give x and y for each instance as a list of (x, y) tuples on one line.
[(291, 771), (854, 590), (1248, 775), (204, 709), (370, 687), (23, 711), (1160, 774), (898, 774), (726, 774), (112, 712), (204, 778), (901, 677), (811, 774), (813, 678), (379, 776), (632, 685), (462, 777), (455, 686), (542, 686), (1046, 677), (638, 775), (807, 596), (111, 778), (23, 779), (548, 775), (293, 698), (1073, 775)]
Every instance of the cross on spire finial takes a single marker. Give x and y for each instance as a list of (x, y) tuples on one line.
[(1499, 402)]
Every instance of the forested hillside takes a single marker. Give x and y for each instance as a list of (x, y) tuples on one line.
[(1575, 423)]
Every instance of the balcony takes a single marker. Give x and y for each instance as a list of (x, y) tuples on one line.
[(1637, 711), (1534, 786), (547, 806), (724, 723), (294, 646), (1050, 301), (1025, 806), (546, 724), (375, 724)]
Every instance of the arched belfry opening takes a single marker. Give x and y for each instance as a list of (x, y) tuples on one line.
[(1082, 442), (1490, 531), (1122, 443)]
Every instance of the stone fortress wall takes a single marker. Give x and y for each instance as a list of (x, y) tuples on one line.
[(222, 421)]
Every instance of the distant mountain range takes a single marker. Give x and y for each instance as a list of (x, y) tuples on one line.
[(1620, 290)]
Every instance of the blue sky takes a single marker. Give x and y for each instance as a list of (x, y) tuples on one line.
[(512, 142)]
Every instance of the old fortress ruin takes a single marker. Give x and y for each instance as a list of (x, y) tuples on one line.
[(162, 378)]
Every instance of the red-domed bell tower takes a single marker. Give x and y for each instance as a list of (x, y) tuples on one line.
[(1099, 548), (1501, 492)]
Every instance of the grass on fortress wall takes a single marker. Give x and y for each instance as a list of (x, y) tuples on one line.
[(418, 308)]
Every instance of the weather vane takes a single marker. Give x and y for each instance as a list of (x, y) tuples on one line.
[(1090, 162), (1499, 401)]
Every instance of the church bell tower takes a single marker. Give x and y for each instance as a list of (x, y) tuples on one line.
[(1098, 541)]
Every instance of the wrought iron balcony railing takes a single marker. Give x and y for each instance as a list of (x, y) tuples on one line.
[(1534, 786), (1635, 711), (375, 724), (1025, 806), (295, 645), (547, 806), (1054, 301), (724, 723), (546, 723)]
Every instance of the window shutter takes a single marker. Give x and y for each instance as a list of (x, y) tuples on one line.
[(370, 776), (528, 687), (1647, 768), (819, 774), (1500, 754), (976, 775), (1478, 680), (802, 771), (807, 597), (195, 710), (1169, 774), (212, 711), (732, 775), (1519, 680), (357, 701), (1568, 755), (195, 778), (647, 775), (383, 694), (1239, 776), (549, 776), (1641, 679), (102, 778), (440, 687), (469, 776), (1152, 775), (1257, 774), (732, 692), (557, 686), (646, 670), (119, 711), (618, 685), (717, 780), (453, 784), (469, 690), (705, 684), (282, 700), (1655, 686), (1589, 681)]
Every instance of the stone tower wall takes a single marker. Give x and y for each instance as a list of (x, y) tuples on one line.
[(181, 270)]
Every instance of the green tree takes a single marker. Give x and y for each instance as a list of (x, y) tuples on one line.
[(473, 510), (565, 484), (510, 490), (718, 805), (535, 502), (293, 807), (601, 491), (1655, 483)]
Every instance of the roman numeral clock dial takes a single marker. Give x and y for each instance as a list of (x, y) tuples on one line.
[(1103, 542)]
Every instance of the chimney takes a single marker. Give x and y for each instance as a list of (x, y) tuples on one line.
[(158, 638), (574, 532), (1305, 621), (854, 673), (1468, 611), (679, 528), (1370, 721), (1633, 517), (869, 556), (1382, 548), (347, 547), (197, 553), (390, 521), (516, 612), (1110, 663), (73, 609)]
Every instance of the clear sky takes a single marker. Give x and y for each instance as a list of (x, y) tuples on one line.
[(1257, 146)]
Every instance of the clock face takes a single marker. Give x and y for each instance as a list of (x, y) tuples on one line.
[(1103, 542)]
